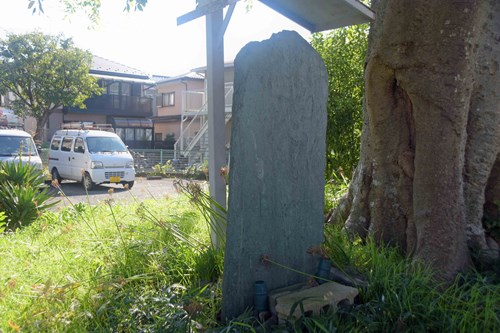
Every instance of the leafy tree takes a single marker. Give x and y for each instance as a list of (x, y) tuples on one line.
[(344, 52), (44, 73), (90, 7)]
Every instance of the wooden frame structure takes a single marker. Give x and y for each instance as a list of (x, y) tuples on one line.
[(314, 15)]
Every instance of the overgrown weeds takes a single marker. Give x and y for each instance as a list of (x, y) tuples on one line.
[(150, 267)]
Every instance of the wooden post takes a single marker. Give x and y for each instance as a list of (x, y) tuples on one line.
[(216, 108)]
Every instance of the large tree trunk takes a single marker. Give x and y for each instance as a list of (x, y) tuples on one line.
[(41, 121), (431, 131)]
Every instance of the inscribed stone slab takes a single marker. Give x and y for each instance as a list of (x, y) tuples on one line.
[(276, 182)]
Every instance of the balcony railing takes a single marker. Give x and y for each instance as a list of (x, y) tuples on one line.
[(116, 105)]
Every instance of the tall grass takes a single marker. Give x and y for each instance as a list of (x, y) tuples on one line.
[(150, 267), (401, 296), (127, 272)]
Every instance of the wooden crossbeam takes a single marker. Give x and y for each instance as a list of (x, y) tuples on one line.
[(204, 8)]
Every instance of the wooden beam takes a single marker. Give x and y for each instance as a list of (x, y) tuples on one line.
[(205, 9), (216, 111)]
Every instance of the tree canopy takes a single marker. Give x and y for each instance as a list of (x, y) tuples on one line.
[(44, 73), (343, 51), (90, 7)]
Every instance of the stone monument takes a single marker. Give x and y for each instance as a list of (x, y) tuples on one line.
[(276, 181)]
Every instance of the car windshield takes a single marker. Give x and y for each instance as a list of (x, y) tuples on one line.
[(105, 145), (17, 145)]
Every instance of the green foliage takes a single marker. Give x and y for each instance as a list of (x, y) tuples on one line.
[(124, 270), (22, 197), (343, 51), (335, 188), (90, 7), (23, 174), (3, 217), (214, 214), (162, 169), (131, 272), (44, 73)]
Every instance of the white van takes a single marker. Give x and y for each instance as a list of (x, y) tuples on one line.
[(18, 145), (91, 156)]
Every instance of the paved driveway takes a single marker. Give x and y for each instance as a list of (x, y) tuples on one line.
[(143, 189)]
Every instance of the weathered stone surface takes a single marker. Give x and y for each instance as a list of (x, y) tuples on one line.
[(314, 299), (276, 183)]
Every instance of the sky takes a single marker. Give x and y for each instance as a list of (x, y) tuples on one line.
[(149, 40)]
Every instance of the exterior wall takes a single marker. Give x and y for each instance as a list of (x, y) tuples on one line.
[(57, 118), (179, 88), (167, 128), (98, 119)]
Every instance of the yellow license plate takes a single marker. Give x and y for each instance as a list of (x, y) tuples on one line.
[(114, 179)]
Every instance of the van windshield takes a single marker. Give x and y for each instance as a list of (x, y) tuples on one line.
[(105, 145), (17, 145)]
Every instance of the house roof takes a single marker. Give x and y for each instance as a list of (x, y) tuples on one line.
[(158, 78), (185, 76), (103, 66), (320, 15), (227, 64)]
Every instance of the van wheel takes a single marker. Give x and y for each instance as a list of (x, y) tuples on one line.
[(88, 184), (130, 185), (56, 176)]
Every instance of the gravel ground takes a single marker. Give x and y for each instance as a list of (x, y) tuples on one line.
[(143, 189)]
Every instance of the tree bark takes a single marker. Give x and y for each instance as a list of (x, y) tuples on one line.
[(41, 121), (431, 129)]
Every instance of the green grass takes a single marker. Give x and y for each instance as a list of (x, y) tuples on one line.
[(86, 268), (149, 267)]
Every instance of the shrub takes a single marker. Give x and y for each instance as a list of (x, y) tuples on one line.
[(22, 196)]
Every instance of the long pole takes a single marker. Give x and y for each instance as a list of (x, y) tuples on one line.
[(216, 110)]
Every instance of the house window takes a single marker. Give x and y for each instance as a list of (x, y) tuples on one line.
[(120, 132), (158, 136), (126, 89), (114, 88), (140, 134), (129, 134), (168, 99)]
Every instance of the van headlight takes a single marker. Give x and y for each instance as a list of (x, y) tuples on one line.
[(129, 165), (96, 165)]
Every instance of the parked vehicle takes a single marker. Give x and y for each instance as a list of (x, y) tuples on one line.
[(17, 145), (92, 155)]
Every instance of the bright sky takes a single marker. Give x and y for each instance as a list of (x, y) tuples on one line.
[(150, 40)]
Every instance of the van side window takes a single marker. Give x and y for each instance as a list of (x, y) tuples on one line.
[(66, 144), (79, 147), (56, 142)]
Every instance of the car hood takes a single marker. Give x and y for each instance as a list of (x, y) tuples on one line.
[(113, 160), (34, 160)]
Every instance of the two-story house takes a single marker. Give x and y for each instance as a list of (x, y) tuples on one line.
[(126, 103)]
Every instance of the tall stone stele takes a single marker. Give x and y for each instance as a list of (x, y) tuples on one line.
[(276, 182)]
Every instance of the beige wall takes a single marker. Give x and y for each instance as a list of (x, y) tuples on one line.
[(179, 87), (167, 128)]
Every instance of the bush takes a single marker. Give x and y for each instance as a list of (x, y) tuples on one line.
[(22, 196)]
